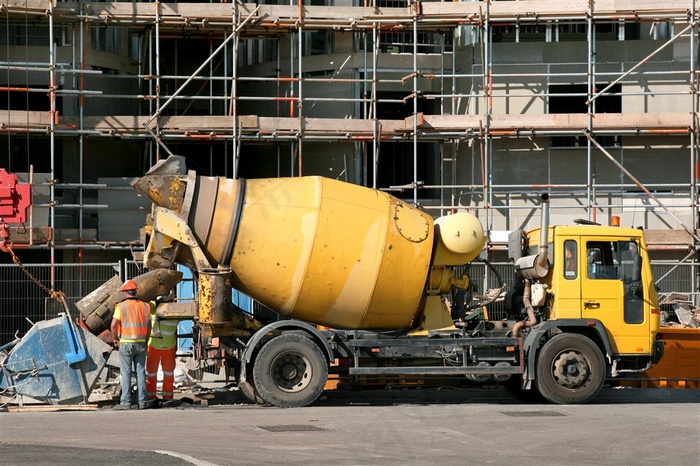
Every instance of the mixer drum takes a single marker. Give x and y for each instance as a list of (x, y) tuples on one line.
[(317, 249)]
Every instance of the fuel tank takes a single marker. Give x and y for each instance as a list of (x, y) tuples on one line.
[(311, 248)]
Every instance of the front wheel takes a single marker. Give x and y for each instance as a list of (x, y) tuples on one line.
[(249, 392), (512, 386), (570, 369), (290, 371)]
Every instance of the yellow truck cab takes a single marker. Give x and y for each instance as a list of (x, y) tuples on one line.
[(598, 286)]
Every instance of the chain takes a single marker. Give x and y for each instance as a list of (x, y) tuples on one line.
[(57, 295)]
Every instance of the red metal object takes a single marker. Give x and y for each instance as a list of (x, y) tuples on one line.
[(15, 198)]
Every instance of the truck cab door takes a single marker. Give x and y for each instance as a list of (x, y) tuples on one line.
[(611, 292)]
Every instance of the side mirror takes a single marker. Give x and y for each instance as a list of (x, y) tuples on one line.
[(637, 269)]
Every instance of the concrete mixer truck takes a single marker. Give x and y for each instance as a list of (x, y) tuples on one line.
[(361, 281)]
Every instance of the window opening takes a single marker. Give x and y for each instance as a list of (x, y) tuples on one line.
[(570, 260)]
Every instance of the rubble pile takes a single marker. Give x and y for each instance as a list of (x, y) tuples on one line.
[(677, 310)]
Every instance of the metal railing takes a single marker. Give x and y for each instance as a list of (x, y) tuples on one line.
[(22, 301)]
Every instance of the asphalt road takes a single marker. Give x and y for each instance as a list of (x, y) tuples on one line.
[(398, 427)]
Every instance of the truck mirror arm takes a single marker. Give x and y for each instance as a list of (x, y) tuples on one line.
[(636, 289)]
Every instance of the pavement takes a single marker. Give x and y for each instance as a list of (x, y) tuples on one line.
[(399, 426)]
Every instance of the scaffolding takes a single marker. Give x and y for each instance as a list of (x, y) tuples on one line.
[(428, 77)]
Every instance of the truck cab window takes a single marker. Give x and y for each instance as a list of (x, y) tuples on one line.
[(599, 261), (611, 260), (617, 260), (570, 260)]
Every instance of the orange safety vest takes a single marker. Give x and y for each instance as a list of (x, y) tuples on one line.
[(135, 318)]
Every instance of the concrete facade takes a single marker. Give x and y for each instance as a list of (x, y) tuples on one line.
[(350, 92)]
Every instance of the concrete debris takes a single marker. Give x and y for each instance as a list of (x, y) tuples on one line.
[(673, 297), (686, 316), (678, 311), (51, 408)]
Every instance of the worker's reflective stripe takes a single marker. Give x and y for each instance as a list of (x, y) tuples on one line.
[(151, 374), (168, 333), (133, 315)]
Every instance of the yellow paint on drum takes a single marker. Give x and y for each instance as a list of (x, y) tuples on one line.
[(331, 253)]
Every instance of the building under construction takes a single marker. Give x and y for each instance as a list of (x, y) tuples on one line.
[(475, 105)]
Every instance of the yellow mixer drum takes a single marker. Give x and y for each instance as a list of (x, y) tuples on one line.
[(319, 250)]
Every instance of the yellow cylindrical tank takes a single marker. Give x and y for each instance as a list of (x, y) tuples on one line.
[(459, 238), (317, 249)]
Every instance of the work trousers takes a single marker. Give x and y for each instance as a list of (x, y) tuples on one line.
[(166, 359), (132, 355)]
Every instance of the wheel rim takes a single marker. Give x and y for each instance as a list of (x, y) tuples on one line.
[(291, 372), (571, 369)]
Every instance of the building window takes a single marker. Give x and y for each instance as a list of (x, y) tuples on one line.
[(317, 43), (396, 159), (402, 42), (571, 98), (520, 33), (559, 31)]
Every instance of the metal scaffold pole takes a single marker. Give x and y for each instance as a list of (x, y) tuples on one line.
[(488, 112), (376, 128), (158, 76), (52, 137), (234, 97), (590, 104), (415, 106), (300, 102)]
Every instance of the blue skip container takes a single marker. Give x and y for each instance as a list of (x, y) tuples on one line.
[(56, 362)]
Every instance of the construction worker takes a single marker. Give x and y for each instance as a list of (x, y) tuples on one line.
[(161, 351), (130, 330)]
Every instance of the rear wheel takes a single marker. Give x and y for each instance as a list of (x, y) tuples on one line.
[(290, 371), (570, 369)]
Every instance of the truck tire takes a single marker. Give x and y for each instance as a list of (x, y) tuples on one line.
[(250, 393), (570, 369), (512, 386), (290, 371)]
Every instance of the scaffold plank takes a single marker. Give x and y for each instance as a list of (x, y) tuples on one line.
[(679, 121), (341, 128), (549, 122), (668, 238), (202, 16)]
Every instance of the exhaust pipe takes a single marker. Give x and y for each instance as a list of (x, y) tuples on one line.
[(537, 266), (543, 256)]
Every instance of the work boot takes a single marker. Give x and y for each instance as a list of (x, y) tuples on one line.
[(122, 407), (149, 404)]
